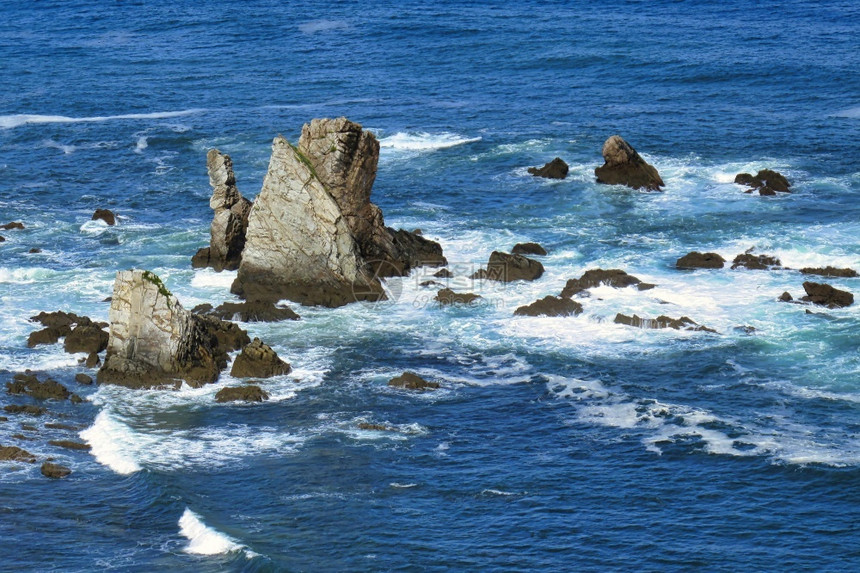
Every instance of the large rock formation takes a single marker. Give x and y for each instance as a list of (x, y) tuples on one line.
[(154, 341), (258, 360), (826, 295), (227, 232), (624, 166)]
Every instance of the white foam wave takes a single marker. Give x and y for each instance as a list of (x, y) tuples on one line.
[(204, 540), (850, 113), (95, 227), (423, 141), (112, 443), (17, 120), (207, 278), (141, 144), (315, 26), (398, 485), (67, 149)]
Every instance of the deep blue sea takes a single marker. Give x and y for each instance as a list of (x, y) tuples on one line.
[(554, 444)]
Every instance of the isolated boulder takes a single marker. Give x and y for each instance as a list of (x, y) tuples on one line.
[(826, 295), (247, 393), (829, 272), (756, 262), (555, 169), (104, 215), (624, 166), (766, 181), (697, 260), (54, 471), (550, 306), (504, 267), (12, 225), (411, 381), (258, 360), (447, 297)]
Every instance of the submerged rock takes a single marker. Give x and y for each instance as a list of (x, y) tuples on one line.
[(54, 471), (154, 341), (555, 169), (413, 251), (697, 260), (504, 267), (70, 445), (662, 321), (258, 360), (624, 166), (528, 249), (375, 427), (16, 454), (447, 296), (227, 231), (550, 306), (829, 272), (595, 277), (826, 295), (756, 262), (411, 381), (248, 393), (104, 215), (767, 182), (29, 410)]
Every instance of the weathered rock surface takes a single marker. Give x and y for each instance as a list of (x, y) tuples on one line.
[(528, 249), (54, 471), (829, 272), (16, 454), (258, 360), (555, 169), (767, 182), (506, 268), (104, 215), (595, 277), (253, 311), (45, 336), (411, 381), (756, 262), (697, 260), (624, 166), (550, 306), (29, 385), (413, 251), (249, 393), (227, 232), (87, 338), (447, 296), (154, 341), (661, 321), (826, 295)]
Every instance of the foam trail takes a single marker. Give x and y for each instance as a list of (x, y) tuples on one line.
[(422, 141), (110, 441), (203, 540), (17, 120), (142, 144)]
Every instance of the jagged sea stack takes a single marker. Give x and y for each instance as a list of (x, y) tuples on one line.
[(624, 166)]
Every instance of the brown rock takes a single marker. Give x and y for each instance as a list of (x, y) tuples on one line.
[(29, 410), (615, 278), (767, 182), (93, 360), (624, 166), (54, 471), (443, 274), (411, 381), (27, 384), (35, 251), (60, 319), (48, 335), (248, 393), (104, 215), (70, 445), (785, 297), (12, 225), (697, 260), (829, 272), (528, 249), (756, 262), (83, 379), (550, 306), (662, 321), (555, 169), (55, 426), (504, 267), (825, 295), (447, 296), (16, 454), (375, 427), (413, 251), (86, 338), (258, 360), (254, 311)]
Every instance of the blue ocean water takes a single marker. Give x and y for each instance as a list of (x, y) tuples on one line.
[(554, 443)]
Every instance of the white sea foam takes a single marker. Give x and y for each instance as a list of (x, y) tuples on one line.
[(398, 485), (423, 141), (204, 540), (113, 443), (67, 149), (94, 227), (207, 278), (142, 144), (17, 120), (315, 26), (850, 113)]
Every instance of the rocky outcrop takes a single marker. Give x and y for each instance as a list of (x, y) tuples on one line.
[(413, 251), (84, 379), (254, 311), (447, 297), (528, 249), (248, 393), (29, 385), (615, 278), (697, 260), (826, 295), (766, 181), (550, 306), (154, 341), (70, 445), (411, 381), (258, 360), (504, 267), (87, 338), (54, 471), (12, 225), (60, 324), (227, 232), (16, 454), (756, 262), (829, 272), (624, 166), (662, 321), (105, 215), (28, 409), (785, 297), (555, 169)]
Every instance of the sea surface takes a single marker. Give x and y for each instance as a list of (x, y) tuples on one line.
[(555, 444)]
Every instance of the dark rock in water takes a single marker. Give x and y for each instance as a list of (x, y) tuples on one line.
[(414, 251), (528, 249), (258, 360), (12, 225), (785, 297), (443, 274), (93, 360), (16, 454), (504, 267), (35, 251), (555, 169), (767, 182), (75, 399), (756, 262), (54, 471), (54, 426), (4, 419), (411, 381), (829, 272), (249, 393), (826, 295), (70, 445), (29, 410), (60, 319), (697, 260), (624, 166), (447, 296), (375, 427), (83, 379), (662, 321), (595, 277), (550, 306), (227, 335), (201, 259), (428, 284), (2, 239), (29, 428), (253, 311), (48, 335), (104, 215), (28, 384), (86, 338)]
